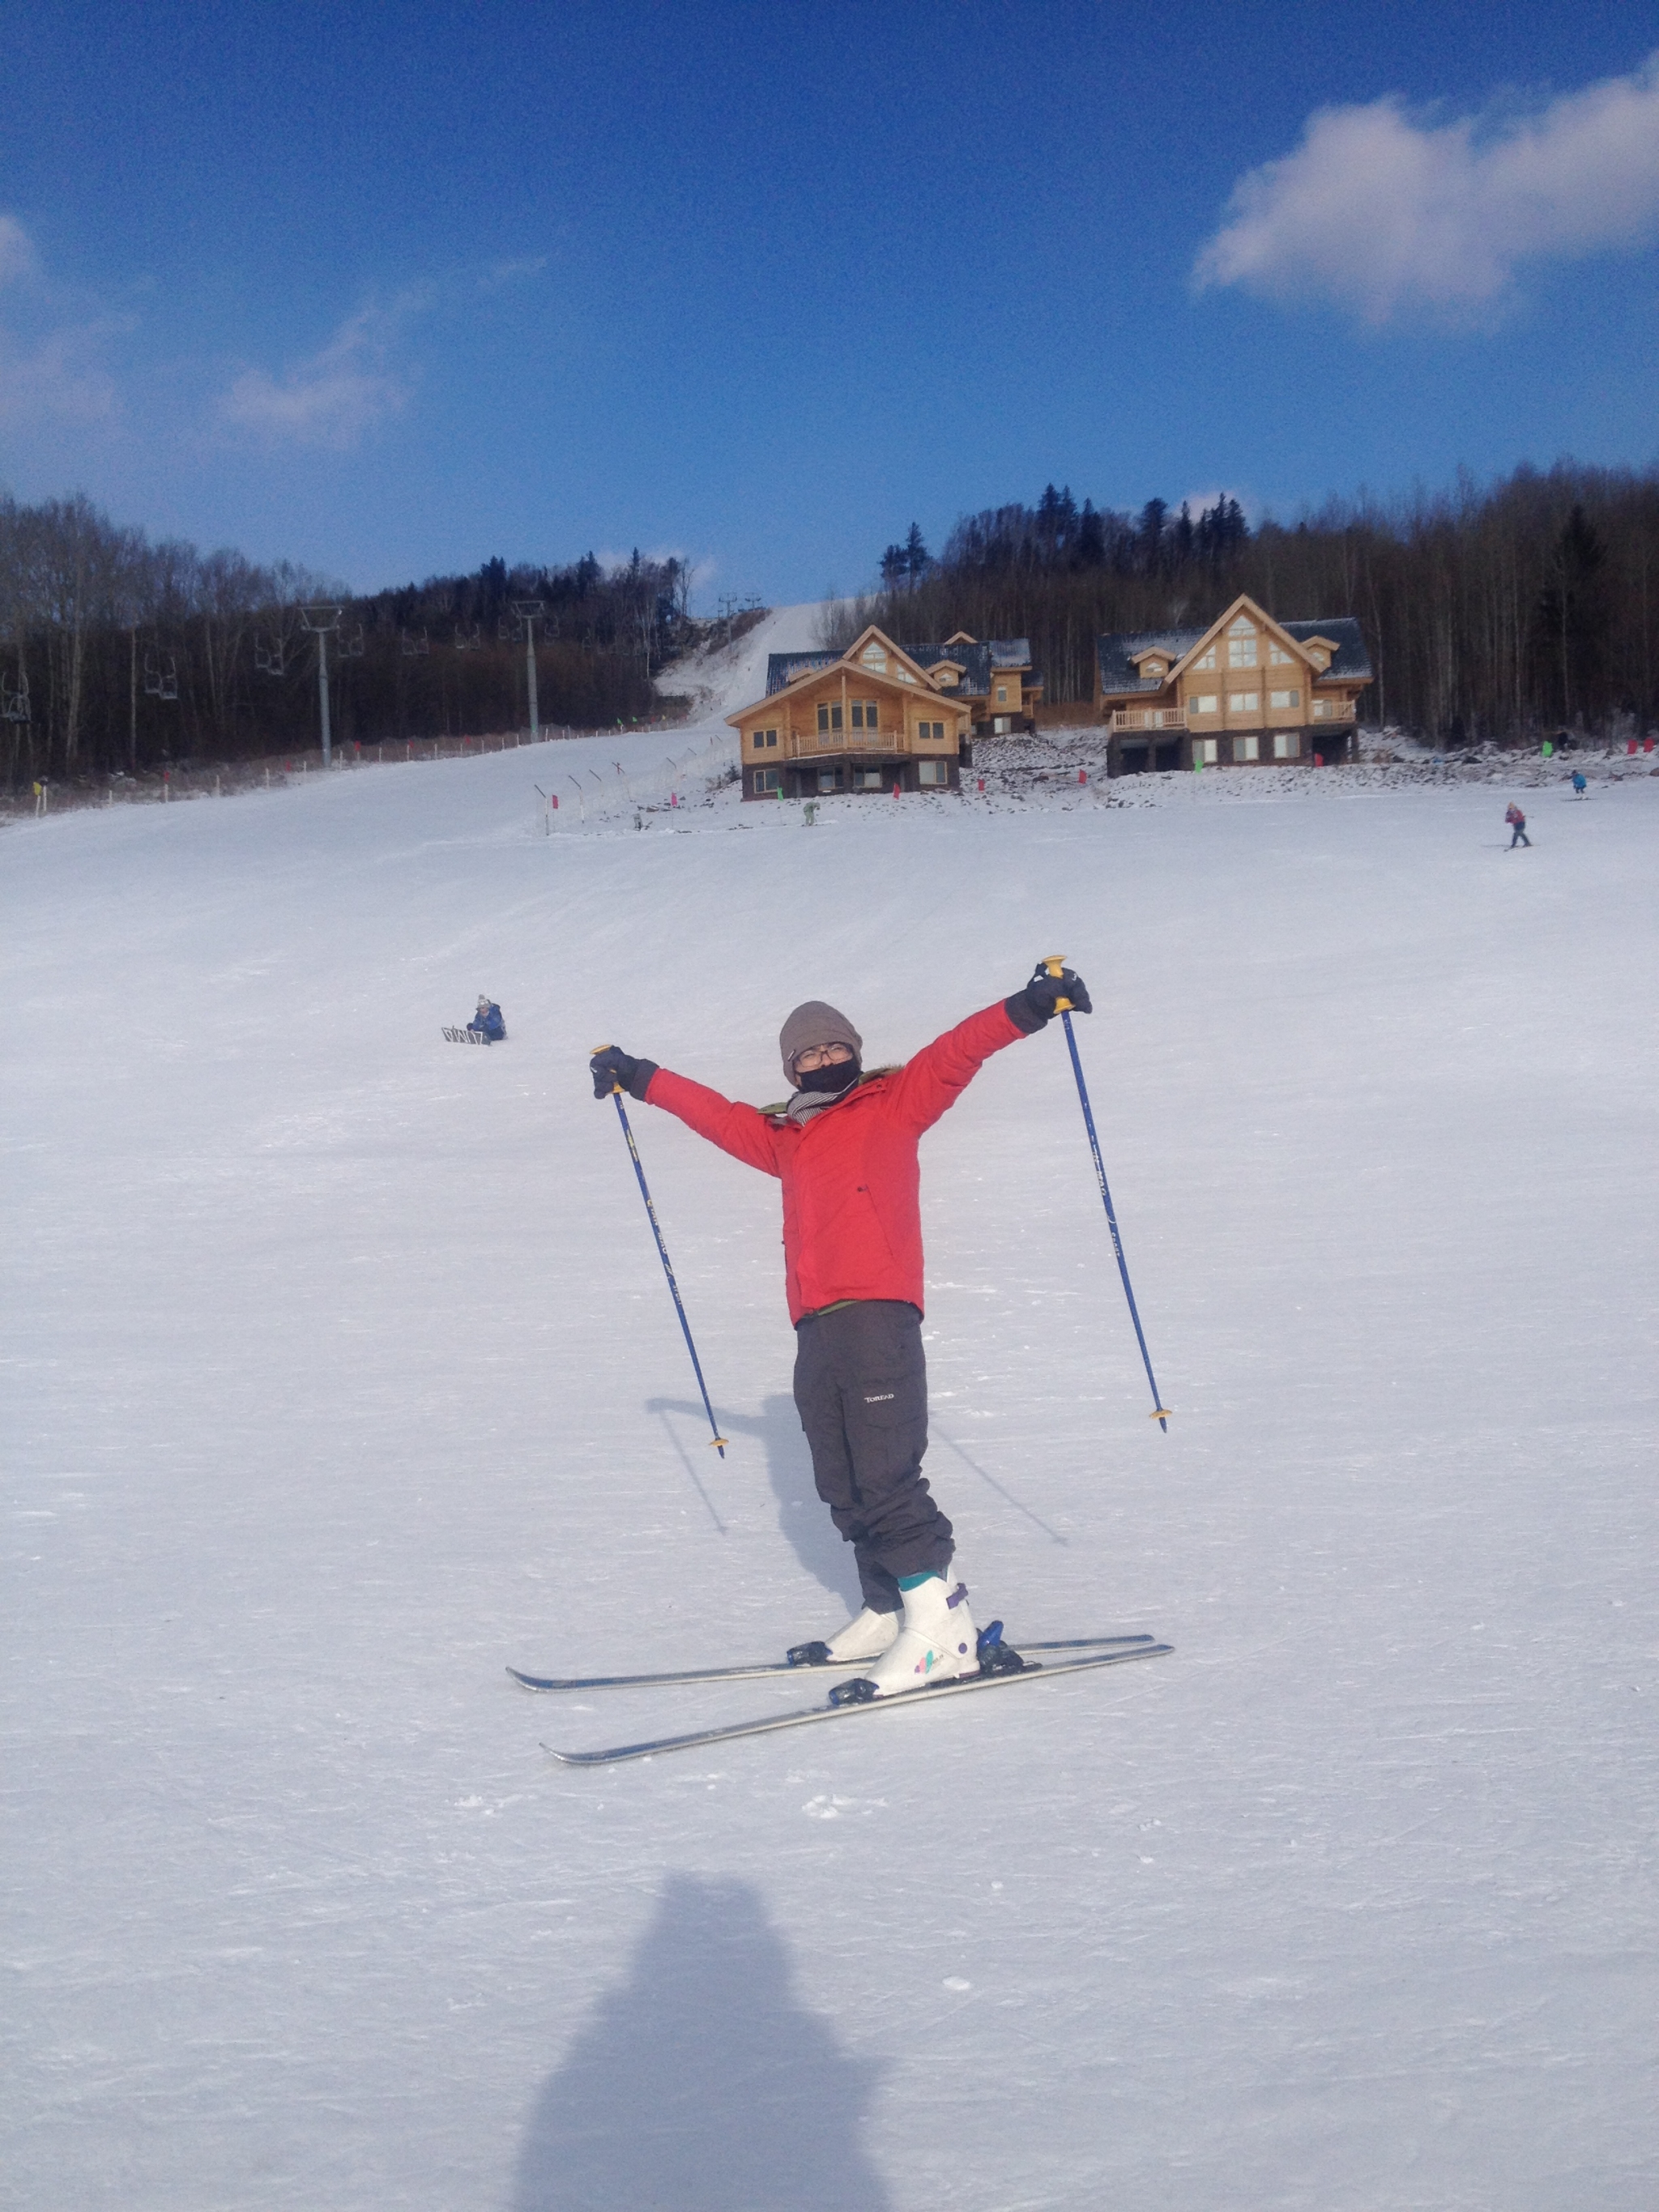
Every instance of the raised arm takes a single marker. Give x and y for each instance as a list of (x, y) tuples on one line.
[(740, 1130), (934, 1081)]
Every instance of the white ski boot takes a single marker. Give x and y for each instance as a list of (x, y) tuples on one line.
[(866, 1636), (938, 1643)]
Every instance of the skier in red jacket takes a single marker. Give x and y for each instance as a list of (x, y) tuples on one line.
[(844, 1148)]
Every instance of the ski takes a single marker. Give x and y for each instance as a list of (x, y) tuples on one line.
[(807, 1716), (762, 1669)]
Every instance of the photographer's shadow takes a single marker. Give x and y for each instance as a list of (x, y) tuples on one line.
[(702, 2084)]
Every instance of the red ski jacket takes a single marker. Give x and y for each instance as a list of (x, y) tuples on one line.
[(852, 1220)]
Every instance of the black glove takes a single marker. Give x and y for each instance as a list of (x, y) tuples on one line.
[(1030, 1009), (611, 1066)]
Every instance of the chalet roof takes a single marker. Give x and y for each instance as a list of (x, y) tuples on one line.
[(1118, 675), (976, 659), (782, 668)]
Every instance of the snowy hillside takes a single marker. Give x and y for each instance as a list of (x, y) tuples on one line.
[(733, 676), (341, 1375)]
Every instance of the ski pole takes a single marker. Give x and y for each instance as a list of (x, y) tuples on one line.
[(1054, 963), (718, 1440)]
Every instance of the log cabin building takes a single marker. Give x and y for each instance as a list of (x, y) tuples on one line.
[(1246, 691), (874, 718), (994, 676)]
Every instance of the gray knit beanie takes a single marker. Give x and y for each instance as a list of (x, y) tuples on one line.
[(815, 1024)]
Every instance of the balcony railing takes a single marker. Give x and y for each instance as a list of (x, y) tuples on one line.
[(1149, 718), (824, 744)]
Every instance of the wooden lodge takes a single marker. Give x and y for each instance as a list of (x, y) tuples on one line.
[(874, 718), (1245, 692)]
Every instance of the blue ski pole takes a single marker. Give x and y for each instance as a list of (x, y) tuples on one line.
[(1054, 963), (718, 1440)]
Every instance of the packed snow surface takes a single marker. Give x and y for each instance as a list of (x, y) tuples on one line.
[(343, 1375)]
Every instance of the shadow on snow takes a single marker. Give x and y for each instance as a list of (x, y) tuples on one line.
[(701, 2083)]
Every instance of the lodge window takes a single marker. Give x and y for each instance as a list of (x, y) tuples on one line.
[(933, 771), (828, 778), (931, 731), (1002, 692), (1241, 651), (768, 779), (865, 715), (829, 716), (1277, 656), (1284, 698), (1243, 703), (1207, 661), (1205, 752), (1201, 702), (763, 739), (1247, 749), (869, 779), (1287, 744)]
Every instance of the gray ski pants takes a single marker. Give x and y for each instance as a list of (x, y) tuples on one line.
[(862, 1392)]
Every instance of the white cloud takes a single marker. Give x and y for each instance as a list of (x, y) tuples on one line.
[(50, 369), (500, 273), (335, 397), (1386, 212), (17, 255)]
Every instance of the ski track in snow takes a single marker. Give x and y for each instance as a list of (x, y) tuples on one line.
[(340, 1374)]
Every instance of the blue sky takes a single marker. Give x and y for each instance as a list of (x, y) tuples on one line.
[(387, 291)]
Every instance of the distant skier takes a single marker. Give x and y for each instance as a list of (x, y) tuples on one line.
[(487, 1023), (844, 1148), (1580, 785), (1517, 822)]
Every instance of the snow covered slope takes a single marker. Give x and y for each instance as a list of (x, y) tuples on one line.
[(340, 1374), (734, 676)]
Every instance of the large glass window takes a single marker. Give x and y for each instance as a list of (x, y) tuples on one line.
[(1206, 660), (933, 771), (1247, 749), (768, 779), (931, 732), (1241, 651), (763, 738), (829, 714), (1287, 744), (1243, 703), (1205, 752), (1284, 698), (1201, 702), (864, 716)]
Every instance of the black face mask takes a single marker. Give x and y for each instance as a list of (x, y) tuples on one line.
[(836, 1077)]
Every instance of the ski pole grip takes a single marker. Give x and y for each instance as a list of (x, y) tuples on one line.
[(605, 1048), (1055, 963)]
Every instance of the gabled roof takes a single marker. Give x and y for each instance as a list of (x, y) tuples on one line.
[(785, 670), (974, 661), (1342, 632), (1117, 653)]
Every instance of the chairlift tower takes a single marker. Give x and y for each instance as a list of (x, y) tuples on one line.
[(320, 621), (528, 611)]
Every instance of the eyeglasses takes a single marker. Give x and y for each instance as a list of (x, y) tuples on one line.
[(822, 1055)]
